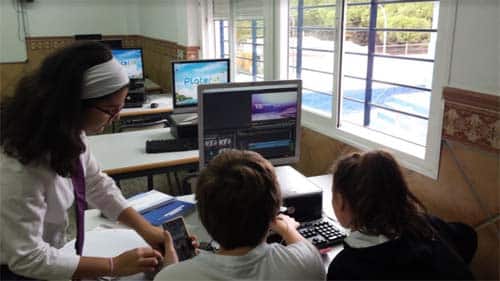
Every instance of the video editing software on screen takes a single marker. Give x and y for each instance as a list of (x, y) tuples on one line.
[(263, 121)]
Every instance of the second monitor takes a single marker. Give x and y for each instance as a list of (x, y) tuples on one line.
[(188, 74)]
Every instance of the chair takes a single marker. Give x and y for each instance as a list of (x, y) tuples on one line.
[(188, 185)]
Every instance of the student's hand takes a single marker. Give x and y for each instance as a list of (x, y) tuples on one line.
[(283, 224), (170, 253), (287, 228), (195, 243), (135, 261), (154, 236)]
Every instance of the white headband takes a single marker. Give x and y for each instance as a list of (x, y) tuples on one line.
[(104, 79)]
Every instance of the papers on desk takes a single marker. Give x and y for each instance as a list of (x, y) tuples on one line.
[(147, 201), (174, 208), (158, 207)]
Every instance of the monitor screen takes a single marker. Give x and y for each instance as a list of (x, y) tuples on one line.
[(260, 116), (187, 75), (131, 59)]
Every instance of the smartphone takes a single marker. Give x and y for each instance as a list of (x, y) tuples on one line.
[(180, 237)]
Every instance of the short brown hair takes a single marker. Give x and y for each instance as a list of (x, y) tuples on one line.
[(237, 197), (379, 198)]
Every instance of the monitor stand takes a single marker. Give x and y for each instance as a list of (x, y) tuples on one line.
[(184, 125)]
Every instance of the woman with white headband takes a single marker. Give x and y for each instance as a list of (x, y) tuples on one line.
[(45, 166)]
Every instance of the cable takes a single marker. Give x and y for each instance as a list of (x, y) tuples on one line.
[(22, 19), (491, 217)]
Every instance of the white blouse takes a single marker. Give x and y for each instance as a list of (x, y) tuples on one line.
[(33, 217)]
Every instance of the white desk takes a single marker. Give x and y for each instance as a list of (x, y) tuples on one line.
[(94, 222), (124, 155), (164, 102)]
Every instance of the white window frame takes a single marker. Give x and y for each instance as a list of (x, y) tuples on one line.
[(424, 160), (270, 45)]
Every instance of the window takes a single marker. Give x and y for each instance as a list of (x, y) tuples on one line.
[(378, 87), (372, 70), (387, 67), (311, 51), (249, 50), (221, 38), (239, 31)]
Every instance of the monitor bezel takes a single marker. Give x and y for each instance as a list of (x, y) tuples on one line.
[(243, 86), (190, 108), (142, 61)]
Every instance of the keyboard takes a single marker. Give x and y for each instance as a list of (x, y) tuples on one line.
[(129, 104), (321, 233), (171, 145)]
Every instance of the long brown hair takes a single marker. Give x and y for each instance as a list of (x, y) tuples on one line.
[(378, 196), (43, 121)]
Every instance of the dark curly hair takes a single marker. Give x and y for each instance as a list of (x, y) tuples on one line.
[(42, 123), (237, 197), (379, 198)]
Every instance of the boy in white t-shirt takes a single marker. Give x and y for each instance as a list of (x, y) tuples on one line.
[(238, 198)]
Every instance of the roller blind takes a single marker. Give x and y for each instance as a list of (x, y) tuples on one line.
[(249, 9), (221, 9), (243, 9)]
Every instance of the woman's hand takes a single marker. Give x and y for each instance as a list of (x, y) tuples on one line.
[(135, 261), (154, 236), (170, 252)]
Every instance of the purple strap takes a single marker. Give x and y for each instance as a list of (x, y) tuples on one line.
[(78, 180)]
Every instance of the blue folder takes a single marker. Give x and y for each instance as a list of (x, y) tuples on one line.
[(173, 209)]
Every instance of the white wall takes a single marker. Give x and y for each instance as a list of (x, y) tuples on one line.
[(158, 19), (170, 20), (476, 48), (65, 18), (12, 48)]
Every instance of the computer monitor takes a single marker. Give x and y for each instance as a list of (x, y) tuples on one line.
[(188, 74), (131, 59), (112, 43), (260, 116)]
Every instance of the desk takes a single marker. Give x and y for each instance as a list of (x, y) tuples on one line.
[(93, 221), (164, 102), (123, 155)]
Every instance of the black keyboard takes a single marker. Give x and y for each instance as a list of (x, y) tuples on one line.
[(171, 145), (321, 233), (129, 104)]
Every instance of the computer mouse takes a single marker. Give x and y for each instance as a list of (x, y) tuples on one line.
[(154, 105)]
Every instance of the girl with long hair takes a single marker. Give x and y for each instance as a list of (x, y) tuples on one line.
[(391, 234), (45, 166)]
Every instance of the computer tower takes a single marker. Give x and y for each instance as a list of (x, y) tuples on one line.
[(303, 199), (184, 125)]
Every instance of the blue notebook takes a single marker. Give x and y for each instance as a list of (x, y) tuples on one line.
[(173, 209)]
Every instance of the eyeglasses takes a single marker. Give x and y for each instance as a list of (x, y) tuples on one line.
[(112, 114)]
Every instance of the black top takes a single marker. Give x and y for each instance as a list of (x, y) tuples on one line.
[(406, 259)]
